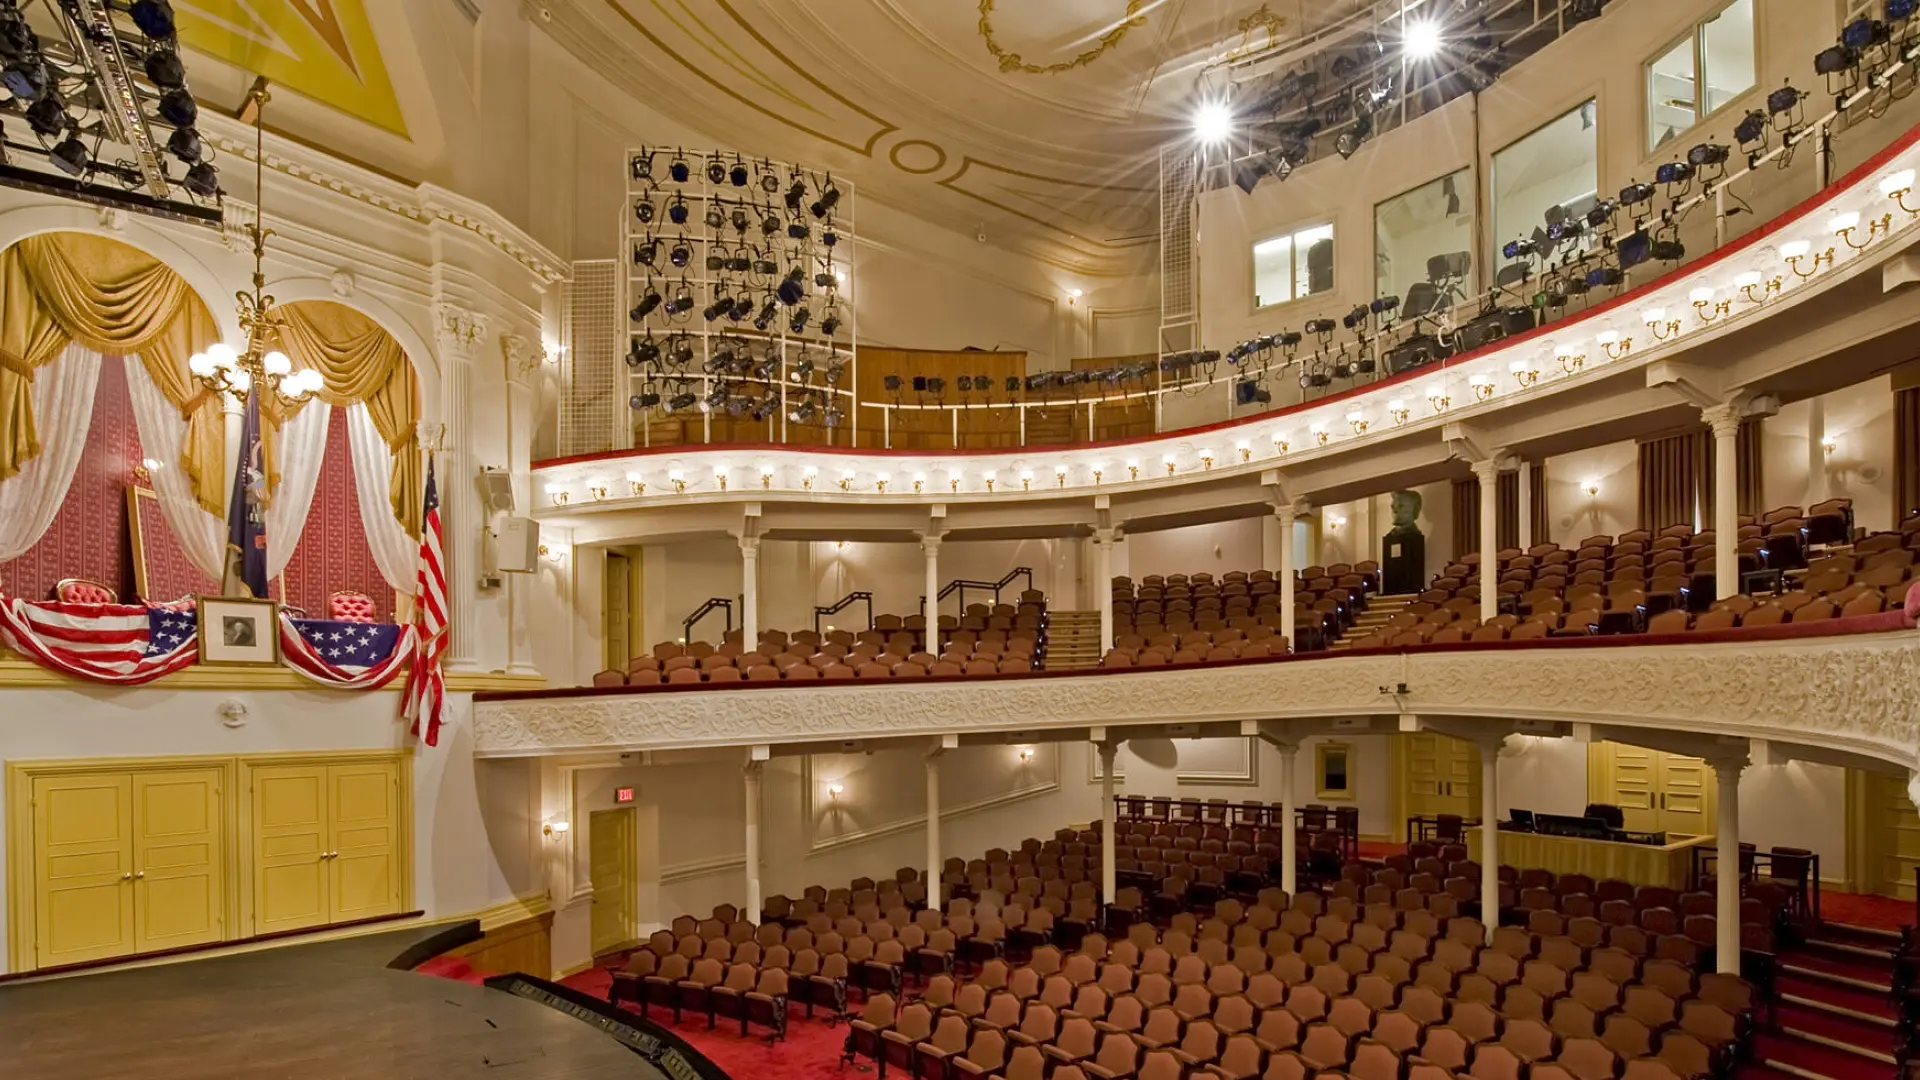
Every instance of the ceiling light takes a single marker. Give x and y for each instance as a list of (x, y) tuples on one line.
[(1422, 40), (1212, 122)]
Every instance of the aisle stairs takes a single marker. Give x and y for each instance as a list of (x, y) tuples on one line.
[(1379, 610), (1833, 1013), (1073, 640)]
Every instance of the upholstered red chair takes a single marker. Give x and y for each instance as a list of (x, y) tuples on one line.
[(82, 591), (351, 607)]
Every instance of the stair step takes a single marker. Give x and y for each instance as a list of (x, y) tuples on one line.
[(1846, 1034), (1829, 996), (1803, 966), (1811, 1059)]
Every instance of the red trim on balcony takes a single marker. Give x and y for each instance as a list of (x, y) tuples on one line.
[(1801, 210), (1883, 623)]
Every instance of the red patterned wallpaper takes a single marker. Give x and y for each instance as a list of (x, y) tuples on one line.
[(88, 537), (170, 575), (333, 555)]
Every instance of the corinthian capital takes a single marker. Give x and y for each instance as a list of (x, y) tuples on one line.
[(458, 329)]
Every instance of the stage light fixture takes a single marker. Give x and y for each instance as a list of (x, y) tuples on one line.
[(1637, 193), (643, 211), (792, 288), (1673, 172), (768, 312), (185, 144), (798, 324), (1212, 122), (164, 68), (796, 193), (828, 199), (48, 116), (677, 213), (1835, 59), (716, 171), (153, 17), (1422, 40), (679, 170), (25, 78), (1900, 10), (830, 326), (737, 176), (1708, 155), (680, 254), (1784, 100), (646, 304), (680, 402), (201, 180), (1634, 249), (713, 218), (648, 400), (798, 231), (1863, 34), (178, 108), (70, 157), (1752, 127)]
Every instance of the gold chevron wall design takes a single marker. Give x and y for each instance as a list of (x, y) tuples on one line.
[(322, 49)]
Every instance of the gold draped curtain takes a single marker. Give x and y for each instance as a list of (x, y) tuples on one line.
[(60, 288), (361, 362)]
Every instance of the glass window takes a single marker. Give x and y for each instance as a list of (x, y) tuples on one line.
[(1293, 265), (1413, 229), (1333, 771), (1536, 179), (1701, 72)]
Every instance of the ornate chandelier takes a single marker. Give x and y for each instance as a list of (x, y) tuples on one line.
[(258, 365)]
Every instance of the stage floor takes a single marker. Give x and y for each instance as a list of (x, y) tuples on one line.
[(305, 1012)]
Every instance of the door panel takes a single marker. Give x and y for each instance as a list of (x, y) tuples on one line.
[(1443, 775), (1658, 791), (1636, 786), (83, 861), (365, 819), (178, 834), (1893, 836), (290, 847), (612, 844), (1687, 794)]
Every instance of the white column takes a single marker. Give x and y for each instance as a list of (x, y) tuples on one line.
[(233, 419), (1284, 515), (933, 828), (1489, 833), (1489, 473), (1526, 505), (1289, 835), (1109, 823), (523, 365), (1725, 420), (1103, 584), (750, 593), (1727, 868), (752, 772), (931, 545), (459, 333)]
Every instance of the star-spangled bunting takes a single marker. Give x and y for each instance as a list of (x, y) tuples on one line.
[(125, 644), (345, 655)]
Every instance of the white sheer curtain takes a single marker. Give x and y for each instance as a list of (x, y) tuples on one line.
[(302, 450), (62, 409), (394, 552), (202, 535)]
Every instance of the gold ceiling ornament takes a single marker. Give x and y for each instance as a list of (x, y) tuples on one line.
[(1011, 62), (1262, 19)]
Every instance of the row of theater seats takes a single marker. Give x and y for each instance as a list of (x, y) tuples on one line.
[(999, 640), (1326, 599)]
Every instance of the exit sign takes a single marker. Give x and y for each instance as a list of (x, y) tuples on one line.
[(623, 795)]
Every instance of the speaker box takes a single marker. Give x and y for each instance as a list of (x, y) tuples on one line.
[(517, 546), (498, 484)]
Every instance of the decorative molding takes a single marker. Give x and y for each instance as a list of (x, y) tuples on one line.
[(17, 674), (522, 361), (1827, 692), (673, 873), (458, 329)]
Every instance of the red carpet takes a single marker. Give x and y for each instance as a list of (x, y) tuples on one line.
[(1376, 849), (1878, 912)]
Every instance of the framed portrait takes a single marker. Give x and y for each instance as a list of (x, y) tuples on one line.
[(239, 631)]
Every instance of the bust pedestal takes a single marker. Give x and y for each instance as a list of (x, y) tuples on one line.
[(1404, 565)]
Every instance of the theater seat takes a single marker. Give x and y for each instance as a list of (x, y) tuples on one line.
[(82, 591), (351, 607)]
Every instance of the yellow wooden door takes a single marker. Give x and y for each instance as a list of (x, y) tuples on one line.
[(1635, 776), (83, 868), (290, 846), (1443, 775), (1686, 795), (179, 829), (612, 852), (364, 825), (1892, 836)]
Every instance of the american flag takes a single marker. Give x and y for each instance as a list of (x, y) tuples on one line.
[(426, 684), (110, 643), (345, 655)]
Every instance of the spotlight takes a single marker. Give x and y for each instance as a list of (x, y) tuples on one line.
[(1863, 34), (798, 324), (681, 253), (178, 108), (1835, 59), (25, 78), (649, 400), (1634, 249), (713, 217), (797, 231), (682, 301), (1707, 155), (1601, 213), (165, 70), (153, 17), (70, 157), (803, 370), (1421, 40), (48, 116), (1635, 194), (679, 170), (642, 166), (1784, 100), (1247, 174), (184, 144), (647, 303), (792, 288), (720, 306), (679, 402), (1899, 10), (1603, 277), (768, 312), (737, 176), (202, 181), (1669, 250), (1248, 392), (643, 211), (716, 171), (796, 193), (827, 201), (677, 213), (831, 326), (1673, 172), (1212, 122)]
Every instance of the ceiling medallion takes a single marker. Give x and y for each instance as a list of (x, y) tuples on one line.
[(1262, 19), (1011, 62)]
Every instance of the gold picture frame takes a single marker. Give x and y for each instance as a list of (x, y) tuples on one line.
[(248, 631)]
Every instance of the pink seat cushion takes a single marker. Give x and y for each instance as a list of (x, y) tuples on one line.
[(84, 592), (351, 607)]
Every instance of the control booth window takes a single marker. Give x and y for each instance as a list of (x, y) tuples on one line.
[(1539, 182), (1425, 235), (1293, 265), (1700, 73)]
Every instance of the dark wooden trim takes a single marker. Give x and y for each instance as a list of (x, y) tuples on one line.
[(464, 933), (211, 946)]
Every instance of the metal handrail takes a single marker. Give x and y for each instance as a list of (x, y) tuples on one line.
[(714, 603), (842, 604), (961, 585)]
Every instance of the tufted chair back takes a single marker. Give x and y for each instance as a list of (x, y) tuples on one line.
[(82, 591), (351, 607)]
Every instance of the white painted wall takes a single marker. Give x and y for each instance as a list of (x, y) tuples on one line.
[(1572, 514)]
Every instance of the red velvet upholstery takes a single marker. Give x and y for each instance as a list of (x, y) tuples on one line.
[(351, 607), (82, 591)]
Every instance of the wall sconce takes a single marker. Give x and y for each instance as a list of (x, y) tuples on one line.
[(1357, 420), (1133, 468), (1437, 397), (1829, 445), (553, 552), (1397, 409), (846, 479), (1705, 306), (1246, 450), (598, 491), (1591, 486), (1097, 468), (1657, 321), (1482, 387), (989, 476), (806, 477), (144, 471), (1523, 373), (1025, 754), (1335, 521), (1319, 433), (1073, 296), (1060, 474), (1026, 480), (834, 791), (555, 830), (1796, 250), (558, 494), (1897, 186), (1280, 444), (1206, 460), (635, 484), (678, 479), (919, 482), (1611, 341), (720, 475), (1169, 461), (953, 480), (1845, 225), (880, 482), (1752, 280), (766, 476)]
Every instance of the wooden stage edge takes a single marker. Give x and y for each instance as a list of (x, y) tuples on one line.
[(325, 1010)]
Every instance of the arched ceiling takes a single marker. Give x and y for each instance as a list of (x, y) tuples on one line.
[(1037, 124)]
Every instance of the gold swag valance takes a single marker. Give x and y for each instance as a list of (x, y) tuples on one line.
[(60, 288), (361, 362)]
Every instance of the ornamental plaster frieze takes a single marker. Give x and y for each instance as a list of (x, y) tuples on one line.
[(1803, 257), (1842, 693)]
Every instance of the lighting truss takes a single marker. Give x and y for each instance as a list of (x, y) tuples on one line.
[(95, 106)]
